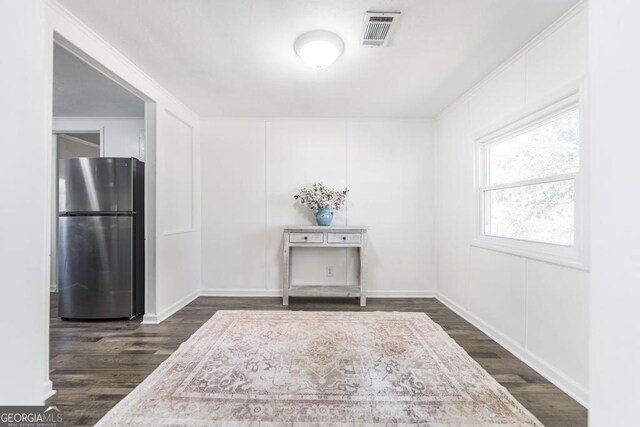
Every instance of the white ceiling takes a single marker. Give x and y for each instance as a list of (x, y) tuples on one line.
[(236, 58), (79, 90)]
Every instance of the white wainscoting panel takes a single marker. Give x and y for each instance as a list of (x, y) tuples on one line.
[(535, 309), (175, 160), (300, 152), (233, 205), (251, 168)]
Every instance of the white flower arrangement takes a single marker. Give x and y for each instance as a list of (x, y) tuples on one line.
[(318, 196)]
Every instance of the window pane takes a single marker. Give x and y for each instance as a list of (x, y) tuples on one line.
[(547, 150), (541, 212)]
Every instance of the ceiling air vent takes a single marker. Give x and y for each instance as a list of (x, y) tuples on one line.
[(378, 27)]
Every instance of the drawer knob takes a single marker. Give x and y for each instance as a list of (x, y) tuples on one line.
[(344, 237), (306, 238)]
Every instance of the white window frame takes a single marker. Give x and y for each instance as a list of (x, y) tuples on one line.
[(576, 255)]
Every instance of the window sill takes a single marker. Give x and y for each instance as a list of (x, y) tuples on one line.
[(571, 257)]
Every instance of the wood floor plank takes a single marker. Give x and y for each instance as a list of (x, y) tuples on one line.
[(93, 365)]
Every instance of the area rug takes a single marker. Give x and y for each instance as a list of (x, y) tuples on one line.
[(281, 368)]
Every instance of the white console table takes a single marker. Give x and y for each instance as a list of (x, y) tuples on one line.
[(312, 236)]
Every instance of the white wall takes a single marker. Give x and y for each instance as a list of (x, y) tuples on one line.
[(537, 310), (25, 112), (614, 66), (24, 261), (173, 274), (121, 136), (178, 209), (251, 169)]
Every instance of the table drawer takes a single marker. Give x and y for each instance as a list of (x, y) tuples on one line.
[(344, 238), (306, 238)]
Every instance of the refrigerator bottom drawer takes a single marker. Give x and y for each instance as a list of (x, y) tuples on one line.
[(95, 267), (77, 303)]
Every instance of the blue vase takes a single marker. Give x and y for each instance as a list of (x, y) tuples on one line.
[(324, 216)]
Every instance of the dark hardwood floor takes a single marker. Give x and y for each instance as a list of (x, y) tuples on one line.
[(95, 364)]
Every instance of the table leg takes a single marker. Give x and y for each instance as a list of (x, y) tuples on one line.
[(363, 271), (285, 281)]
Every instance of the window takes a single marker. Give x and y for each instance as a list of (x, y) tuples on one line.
[(528, 182)]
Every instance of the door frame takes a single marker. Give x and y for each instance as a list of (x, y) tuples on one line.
[(150, 174), (150, 162)]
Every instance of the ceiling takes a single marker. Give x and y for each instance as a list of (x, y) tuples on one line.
[(236, 58), (79, 90)]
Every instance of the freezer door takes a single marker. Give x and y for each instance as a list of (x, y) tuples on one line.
[(96, 184), (95, 271)]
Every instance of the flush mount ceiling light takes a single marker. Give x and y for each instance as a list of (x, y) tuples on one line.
[(319, 49)]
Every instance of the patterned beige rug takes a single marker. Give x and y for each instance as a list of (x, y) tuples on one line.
[(300, 368)]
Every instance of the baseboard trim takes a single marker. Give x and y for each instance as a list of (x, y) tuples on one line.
[(214, 292), (559, 379), (150, 319), (217, 292), (372, 293), (154, 319), (47, 390)]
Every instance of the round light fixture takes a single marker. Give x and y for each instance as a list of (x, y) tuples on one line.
[(319, 49)]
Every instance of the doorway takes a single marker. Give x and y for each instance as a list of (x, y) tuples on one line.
[(96, 113)]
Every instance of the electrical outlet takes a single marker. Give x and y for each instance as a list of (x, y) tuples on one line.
[(329, 270)]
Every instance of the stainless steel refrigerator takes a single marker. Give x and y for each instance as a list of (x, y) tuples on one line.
[(101, 238)]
